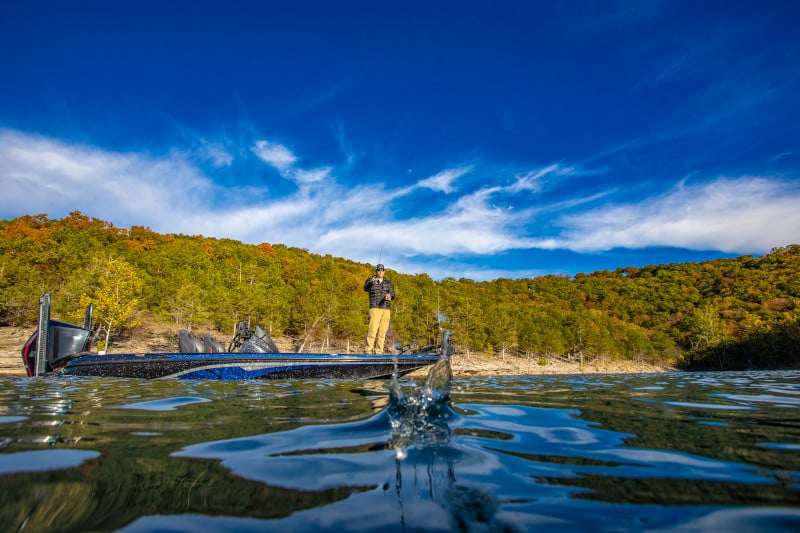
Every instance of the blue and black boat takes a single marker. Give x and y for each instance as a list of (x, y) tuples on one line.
[(60, 348)]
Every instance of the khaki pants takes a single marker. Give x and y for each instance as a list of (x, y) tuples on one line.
[(378, 326)]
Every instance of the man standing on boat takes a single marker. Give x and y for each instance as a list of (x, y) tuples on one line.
[(381, 294)]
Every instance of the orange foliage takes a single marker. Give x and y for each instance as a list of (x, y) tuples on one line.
[(35, 228), (145, 245), (778, 304), (265, 248)]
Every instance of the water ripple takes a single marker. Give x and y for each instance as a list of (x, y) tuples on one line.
[(165, 404)]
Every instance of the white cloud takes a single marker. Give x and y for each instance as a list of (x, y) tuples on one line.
[(283, 159), (528, 181), (41, 175), (443, 180), (469, 226), (215, 153), (742, 215), (316, 175), (274, 154), (531, 180)]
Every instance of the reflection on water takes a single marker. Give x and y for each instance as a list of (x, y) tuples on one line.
[(713, 451), (43, 460)]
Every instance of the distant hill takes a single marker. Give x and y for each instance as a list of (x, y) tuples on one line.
[(723, 314)]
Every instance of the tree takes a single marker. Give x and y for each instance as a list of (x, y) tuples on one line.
[(114, 297)]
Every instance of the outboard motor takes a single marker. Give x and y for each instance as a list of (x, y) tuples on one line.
[(189, 343), (54, 340), (212, 344)]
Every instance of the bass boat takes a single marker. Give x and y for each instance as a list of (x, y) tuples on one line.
[(59, 348)]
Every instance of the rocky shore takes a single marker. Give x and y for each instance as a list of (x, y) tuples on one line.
[(463, 364)]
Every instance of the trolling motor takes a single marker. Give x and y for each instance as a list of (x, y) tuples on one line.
[(243, 333), (54, 343), (248, 340)]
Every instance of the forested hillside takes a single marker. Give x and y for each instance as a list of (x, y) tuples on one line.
[(723, 314)]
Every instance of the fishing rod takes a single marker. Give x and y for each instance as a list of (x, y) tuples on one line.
[(380, 256)]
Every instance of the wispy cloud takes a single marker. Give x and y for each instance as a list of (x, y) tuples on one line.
[(216, 153), (315, 175), (531, 180), (274, 154), (443, 181), (283, 159), (740, 215)]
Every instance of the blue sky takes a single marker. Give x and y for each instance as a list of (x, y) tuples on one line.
[(465, 139)]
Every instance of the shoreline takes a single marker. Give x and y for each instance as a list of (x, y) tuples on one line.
[(463, 365)]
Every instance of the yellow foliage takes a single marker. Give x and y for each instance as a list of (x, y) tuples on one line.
[(115, 297)]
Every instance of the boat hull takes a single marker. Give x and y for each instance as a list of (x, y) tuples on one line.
[(245, 366)]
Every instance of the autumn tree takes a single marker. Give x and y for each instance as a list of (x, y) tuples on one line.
[(115, 297)]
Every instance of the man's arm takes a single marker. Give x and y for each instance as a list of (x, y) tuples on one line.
[(391, 289)]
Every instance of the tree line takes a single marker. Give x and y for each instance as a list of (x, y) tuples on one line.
[(721, 314)]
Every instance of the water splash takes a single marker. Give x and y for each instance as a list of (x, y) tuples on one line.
[(419, 417)]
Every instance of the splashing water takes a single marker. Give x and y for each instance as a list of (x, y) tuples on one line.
[(419, 418)]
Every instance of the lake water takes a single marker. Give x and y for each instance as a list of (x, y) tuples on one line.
[(658, 452)]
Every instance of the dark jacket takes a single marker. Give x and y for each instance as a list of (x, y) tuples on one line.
[(377, 292)]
